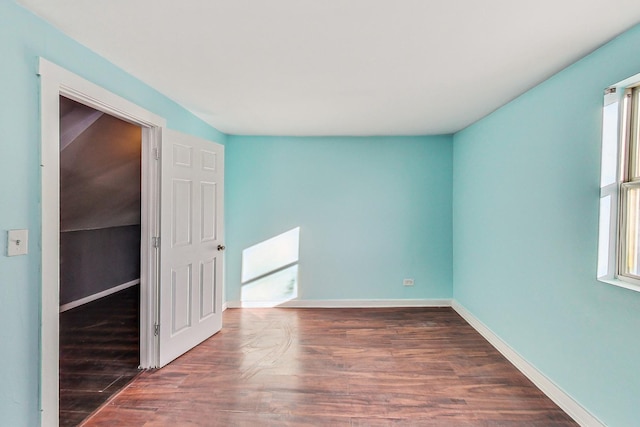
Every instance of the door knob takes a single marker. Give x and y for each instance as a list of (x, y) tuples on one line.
[(221, 247)]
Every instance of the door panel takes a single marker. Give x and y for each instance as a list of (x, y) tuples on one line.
[(182, 218), (180, 298), (191, 221), (207, 288), (208, 190)]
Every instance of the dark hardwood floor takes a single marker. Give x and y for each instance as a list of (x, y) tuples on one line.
[(99, 353), (336, 367)]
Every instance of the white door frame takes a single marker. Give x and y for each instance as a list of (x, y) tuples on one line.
[(56, 81)]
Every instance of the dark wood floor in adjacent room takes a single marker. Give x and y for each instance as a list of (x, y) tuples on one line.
[(99, 352), (336, 367)]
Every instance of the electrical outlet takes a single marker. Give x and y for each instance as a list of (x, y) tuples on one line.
[(407, 282)]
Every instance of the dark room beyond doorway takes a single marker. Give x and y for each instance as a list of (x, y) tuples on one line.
[(100, 225)]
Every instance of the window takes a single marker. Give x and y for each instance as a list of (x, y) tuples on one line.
[(619, 238)]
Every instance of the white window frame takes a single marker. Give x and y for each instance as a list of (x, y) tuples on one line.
[(612, 213)]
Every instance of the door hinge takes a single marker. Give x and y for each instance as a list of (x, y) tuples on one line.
[(156, 329), (156, 242), (156, 154)]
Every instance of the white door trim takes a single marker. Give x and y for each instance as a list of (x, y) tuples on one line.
[(56, 81)]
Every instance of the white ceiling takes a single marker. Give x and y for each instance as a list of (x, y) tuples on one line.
[(341, 67)]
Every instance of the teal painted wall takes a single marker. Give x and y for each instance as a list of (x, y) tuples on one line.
[(24, 37), (372, 211), (525, 215)]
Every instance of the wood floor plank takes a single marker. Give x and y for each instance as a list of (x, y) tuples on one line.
[(99, 353), (338, 367)]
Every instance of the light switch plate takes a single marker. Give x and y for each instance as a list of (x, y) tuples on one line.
[(17, 242)]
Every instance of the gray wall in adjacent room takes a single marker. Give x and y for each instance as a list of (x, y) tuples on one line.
[(92, 261), (100, 182)]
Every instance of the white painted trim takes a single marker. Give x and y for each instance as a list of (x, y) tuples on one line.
[(344, 303), (629, 283), (96, 296), (50, 297), (75, 87), (56, 81), (555, 393)]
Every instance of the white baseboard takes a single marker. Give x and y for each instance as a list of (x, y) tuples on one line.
[(76, 303), (555, 393), (334, 303)]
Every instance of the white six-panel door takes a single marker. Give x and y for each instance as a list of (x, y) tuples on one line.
[(191, 242)]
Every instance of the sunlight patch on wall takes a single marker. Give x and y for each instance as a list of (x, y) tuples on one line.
[(270, 271)]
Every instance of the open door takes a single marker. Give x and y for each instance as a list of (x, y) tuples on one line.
[(191, 243)]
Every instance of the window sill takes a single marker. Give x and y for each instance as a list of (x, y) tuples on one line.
[(621, 283)]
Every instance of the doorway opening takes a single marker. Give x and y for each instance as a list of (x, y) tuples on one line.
[(181, 231), (55, 82), (100, 221)]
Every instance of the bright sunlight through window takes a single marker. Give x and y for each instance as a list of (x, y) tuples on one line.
[(619, 225)]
